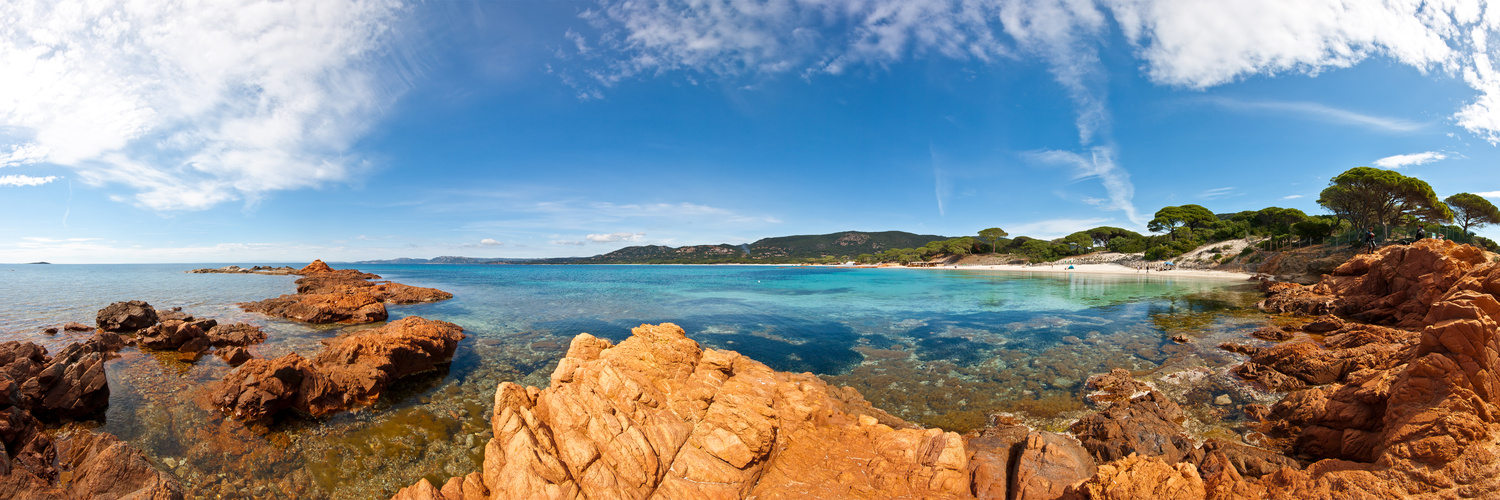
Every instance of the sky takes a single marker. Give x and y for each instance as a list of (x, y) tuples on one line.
[(241, 131)]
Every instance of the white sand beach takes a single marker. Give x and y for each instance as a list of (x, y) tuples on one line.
[(1115, 269)]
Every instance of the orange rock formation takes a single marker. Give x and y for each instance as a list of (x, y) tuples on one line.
[(326, 295)]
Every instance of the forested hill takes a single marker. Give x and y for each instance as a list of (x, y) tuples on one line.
[(783, 249), (844, 244)]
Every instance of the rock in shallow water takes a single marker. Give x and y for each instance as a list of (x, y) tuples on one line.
[(126, 317), (658, 415), (326, 295), (350, 372)]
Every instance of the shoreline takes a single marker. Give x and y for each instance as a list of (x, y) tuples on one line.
[(1098, 269)]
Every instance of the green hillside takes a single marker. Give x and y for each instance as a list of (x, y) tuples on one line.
[(780, 250)]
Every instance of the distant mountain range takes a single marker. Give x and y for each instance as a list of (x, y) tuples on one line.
[(782, 249)]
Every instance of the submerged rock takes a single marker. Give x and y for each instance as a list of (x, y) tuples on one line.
[(126, 317), (352, 371), (326, 295), (73, 326), (1272, 334)]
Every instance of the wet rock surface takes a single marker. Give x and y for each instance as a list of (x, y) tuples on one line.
[(81, 464), (351, 371), (326, 295), (126, 317)]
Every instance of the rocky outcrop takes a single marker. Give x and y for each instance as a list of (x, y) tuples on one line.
[(1149, 424), (351, 371), (81, 464), (1396, 411), (1394, 286), (126, 317), (658, 416), (194, 337), (283, 270), (71, 384), (326, 295), (1050, 467), (1272, 334), (235, 334)]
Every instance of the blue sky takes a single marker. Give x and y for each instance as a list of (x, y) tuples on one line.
[(348, 130)]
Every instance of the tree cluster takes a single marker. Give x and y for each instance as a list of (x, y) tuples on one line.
[(1358, 200)]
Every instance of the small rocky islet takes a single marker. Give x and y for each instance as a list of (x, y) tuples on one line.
[(1387, 365)]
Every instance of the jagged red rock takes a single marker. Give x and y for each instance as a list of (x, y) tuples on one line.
[(326, 295), (351, 371), (658, 416), (126, 317)]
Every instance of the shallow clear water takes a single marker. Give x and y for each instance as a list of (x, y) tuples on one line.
[(940, 347)]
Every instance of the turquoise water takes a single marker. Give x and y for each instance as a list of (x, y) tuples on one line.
[(940, 347)]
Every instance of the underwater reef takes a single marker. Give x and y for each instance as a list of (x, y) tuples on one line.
[(1392, 394)]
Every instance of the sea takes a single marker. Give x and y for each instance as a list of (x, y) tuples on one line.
[(939, 347)]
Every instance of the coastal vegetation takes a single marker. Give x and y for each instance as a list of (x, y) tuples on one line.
[(1362, 198)]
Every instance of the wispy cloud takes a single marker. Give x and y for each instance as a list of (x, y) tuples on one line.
[(191, 104), (1216, 193), (615, 237), (1291, 197), (1319, 112), (1099, 164), (24, 180), (1054, 228), (22, 154), (1399, 161), (1490, 194), (490, 242), (567, 242)]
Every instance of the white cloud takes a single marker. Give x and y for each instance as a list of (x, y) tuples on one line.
[(1216, 193), (566, 242), (490, 242), (22, 154), (24, 180), (1100, 164), (1189, 43), (1399, 161), (1490, 194), (615, 237), (1054, 228), (1201, 44), (1291, 197), (190, 104), (1320, 112)]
